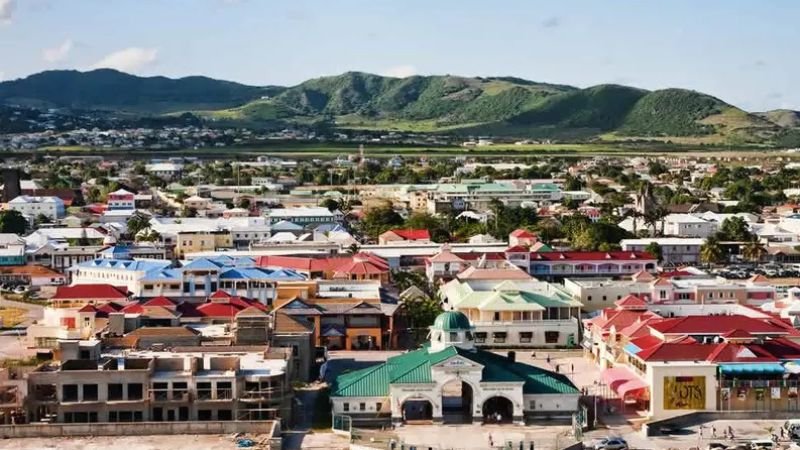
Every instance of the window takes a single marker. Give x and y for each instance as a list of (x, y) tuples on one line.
[(604, 298), (453, 336), (69, 393), (90, 392), (204, 414), (346, 407), (525, 336), (224, 414), (135, 391), (497, 316), (480, 337), (589, 298), (551, 337), (362, 406), (378, 406), (499, 337)]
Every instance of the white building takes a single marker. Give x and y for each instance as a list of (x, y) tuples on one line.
[(31, 207), (166, 170), (677, 251)]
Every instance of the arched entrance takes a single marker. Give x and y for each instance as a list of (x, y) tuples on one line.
[(417, 410), (498, 410), (457, 402)]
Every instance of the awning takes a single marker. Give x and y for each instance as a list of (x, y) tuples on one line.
[(751, 368), (622, 381)]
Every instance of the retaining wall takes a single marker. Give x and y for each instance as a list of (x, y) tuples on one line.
[(268, 427)]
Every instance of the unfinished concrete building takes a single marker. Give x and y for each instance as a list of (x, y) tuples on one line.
[(185, 384)]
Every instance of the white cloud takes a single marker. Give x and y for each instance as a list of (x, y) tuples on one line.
[(401, 71), (2, 76), (58, 53), (7, 10), (130, 59)]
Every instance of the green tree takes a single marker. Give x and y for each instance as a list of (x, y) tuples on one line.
[(435, 226), (331, 204), (753, 250), (421, 311), (136, 223), (12, 221), (711, 252), (734, 229), (654, 249), (243, 203), (379, 220)]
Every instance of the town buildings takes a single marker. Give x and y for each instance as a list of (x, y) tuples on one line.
[(32, 207)]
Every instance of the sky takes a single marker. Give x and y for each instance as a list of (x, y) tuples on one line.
[(744, 52)]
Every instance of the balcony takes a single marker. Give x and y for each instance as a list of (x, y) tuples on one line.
[(208, 395), (259, 394), (169, 396)]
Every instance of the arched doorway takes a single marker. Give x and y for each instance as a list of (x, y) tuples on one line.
[(498, 410), (457, 402), (417, 410)]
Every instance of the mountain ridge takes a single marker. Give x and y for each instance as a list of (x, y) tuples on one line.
[(503, 106)]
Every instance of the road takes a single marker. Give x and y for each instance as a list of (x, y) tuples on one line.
[(34, 312)]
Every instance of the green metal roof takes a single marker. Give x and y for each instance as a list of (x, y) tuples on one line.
[(451, 321), (415, 368)]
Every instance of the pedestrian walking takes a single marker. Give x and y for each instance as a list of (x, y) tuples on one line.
[(713, 431), (701, 432), (572, 368), (548, 359), (491, 441)]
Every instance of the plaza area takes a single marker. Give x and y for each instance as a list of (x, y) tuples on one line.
[(160, 442)]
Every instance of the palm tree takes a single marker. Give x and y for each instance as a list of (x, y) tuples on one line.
[(753, 250), (711, 252), (353, 249)]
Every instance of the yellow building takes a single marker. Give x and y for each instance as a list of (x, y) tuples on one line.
[(200, 241)]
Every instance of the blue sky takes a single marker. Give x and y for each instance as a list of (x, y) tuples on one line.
[(745, 52)]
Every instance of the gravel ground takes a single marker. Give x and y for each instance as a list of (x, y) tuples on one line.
[(170, 442)]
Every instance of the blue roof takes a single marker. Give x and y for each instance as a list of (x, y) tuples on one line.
[(127, 264), (203, 264), (116, 250), (259, 273), (163, 275), (751, 368)]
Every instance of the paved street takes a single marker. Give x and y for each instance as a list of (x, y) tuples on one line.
[(12, 342)]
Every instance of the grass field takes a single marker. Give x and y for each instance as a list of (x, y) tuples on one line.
[(378, 150), (10, 317)]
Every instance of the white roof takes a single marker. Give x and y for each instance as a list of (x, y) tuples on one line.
[(24, 199), (162, 167), (304, 211), (170, 225)]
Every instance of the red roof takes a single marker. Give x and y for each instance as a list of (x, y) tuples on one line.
[(91, 291), (218, 310), (160, 301), (592, 256), (88, 309), (737, 334), (517, 249), (668, 351), (631, 302), (356, 267), (133, 308), (522, 233), (722, 324), (646, 342), (319, 264), (412, 235)]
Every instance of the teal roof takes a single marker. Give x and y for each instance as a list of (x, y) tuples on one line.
[(415, 368), (751, 368), (452, 320)]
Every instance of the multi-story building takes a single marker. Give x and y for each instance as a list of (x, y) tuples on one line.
[(243, 231), (121, 200), (304, 216), (682, 288), (12, 250), (188, 384), (674, 251), (32, 207), (165, 170), (519, 313), (478, 196)]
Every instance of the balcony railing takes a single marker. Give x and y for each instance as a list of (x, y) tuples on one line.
[(208, 394), (170, 396)]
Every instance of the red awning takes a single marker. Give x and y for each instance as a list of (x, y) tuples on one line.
[(622, 381)]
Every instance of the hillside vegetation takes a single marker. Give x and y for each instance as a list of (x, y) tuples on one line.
[(494, 106)]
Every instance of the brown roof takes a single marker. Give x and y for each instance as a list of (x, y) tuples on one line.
[(285, 323)]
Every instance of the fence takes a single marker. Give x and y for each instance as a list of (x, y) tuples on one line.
[(267, 427)]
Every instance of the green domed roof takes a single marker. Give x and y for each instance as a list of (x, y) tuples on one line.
[(452, 321)]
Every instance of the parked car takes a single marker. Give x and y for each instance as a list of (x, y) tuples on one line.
[(716, 446), (611, 443), (762, 444)]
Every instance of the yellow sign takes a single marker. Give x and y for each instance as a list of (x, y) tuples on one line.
[(684, 392)]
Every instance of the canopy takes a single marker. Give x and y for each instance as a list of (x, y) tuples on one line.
[(751, 368), (792, 367), (622, 381)]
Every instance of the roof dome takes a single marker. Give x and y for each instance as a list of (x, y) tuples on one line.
[(452, 321)]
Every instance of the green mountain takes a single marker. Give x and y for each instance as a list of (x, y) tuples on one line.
[(108, 89), (498, 106)]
